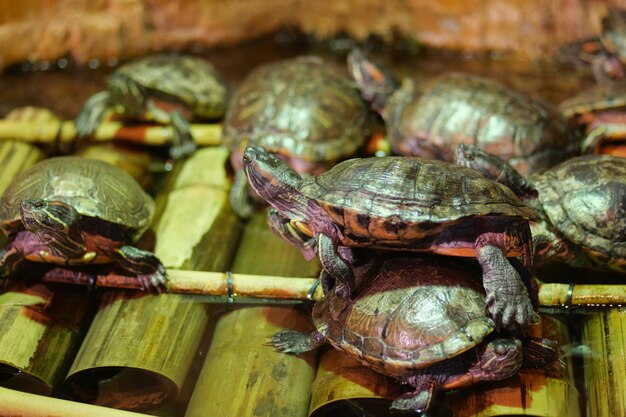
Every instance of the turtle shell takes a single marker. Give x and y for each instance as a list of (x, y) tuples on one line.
[(415, 311), (614, 32), (429, 119), (404, 198), (94, 188), (597, 98), (190, 80), (585, 200), (304, 107)]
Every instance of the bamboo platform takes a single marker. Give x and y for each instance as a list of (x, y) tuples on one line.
[(202, 349)]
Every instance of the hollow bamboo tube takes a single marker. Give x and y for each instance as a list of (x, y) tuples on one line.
[(138, 351), (604, 363), (64, 133), (16, 403), (242, 375)]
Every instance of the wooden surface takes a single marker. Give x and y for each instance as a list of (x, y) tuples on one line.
[(112, 30)]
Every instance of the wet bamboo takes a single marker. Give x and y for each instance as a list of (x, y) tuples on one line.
[(242, 375), (64, 132), (16, 403), (302, 288), (604, 363), (139, 349)]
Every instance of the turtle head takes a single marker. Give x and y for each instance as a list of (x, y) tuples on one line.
[(275, 182), (376, 82), (55, 223)]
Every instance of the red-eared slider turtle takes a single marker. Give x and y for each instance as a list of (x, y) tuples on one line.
[(73, 211), (404, 203), (306, 110), (421, 321), (168, 89), (429, 119), (600, 114), (581, 203)]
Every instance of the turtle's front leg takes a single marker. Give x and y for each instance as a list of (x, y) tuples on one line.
[(240, 200), (149, 269), (10, 257), (507, 296), (183, 145), (295, 342), (92, 113), (335, 266)]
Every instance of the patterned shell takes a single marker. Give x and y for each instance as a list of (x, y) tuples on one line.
[(191, 80), (407, 191), (585, 199), (93, 188), (596, 98), (415, 312), (429, 119), (303, 107)]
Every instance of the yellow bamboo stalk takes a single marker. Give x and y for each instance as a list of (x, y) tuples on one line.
[(604, 336), (16, 403), (242, 375), (64, 132), (139, 349)]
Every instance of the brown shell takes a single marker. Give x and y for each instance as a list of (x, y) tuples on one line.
[(384, 198), (429, 119), (191, 80), (596, 98), (585, 199), (94, 188), (415, 312), (303, 107)]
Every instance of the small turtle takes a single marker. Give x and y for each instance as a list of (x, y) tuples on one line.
[(167, 89), (581, 203), (403, 203), (305, 109), (74, 211), (429, 119), (600, 114), (421, 320)]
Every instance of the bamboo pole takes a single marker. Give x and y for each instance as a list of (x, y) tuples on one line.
[(64, 133), (565, 296), (139, 349), (242, 375), (604, 336)]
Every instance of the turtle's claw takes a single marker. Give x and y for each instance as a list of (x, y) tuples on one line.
[(291, 341), (154, 282)]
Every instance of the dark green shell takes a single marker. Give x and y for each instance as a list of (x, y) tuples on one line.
[(189, 80), (94, 188), (303, 107), (413, 313), (585, 199), (366, 194), (429, 119)]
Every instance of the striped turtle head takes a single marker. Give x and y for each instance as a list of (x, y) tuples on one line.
[(276, 182), (55, 223)]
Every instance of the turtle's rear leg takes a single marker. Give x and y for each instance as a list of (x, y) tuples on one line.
[(294, 342), (92, 113), (148, 268), (420, 400)]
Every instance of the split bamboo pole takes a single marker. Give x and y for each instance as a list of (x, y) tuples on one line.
[(139, 349), (242, 374)]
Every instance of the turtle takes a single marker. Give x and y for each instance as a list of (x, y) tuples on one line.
[(422, 321), (168, 89), (581, 204), (429, 118), (404, 203), (74, 211), (305, 109), (600, 114)]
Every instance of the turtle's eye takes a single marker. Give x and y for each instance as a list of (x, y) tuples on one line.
[(302, 227), (39, 204)]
